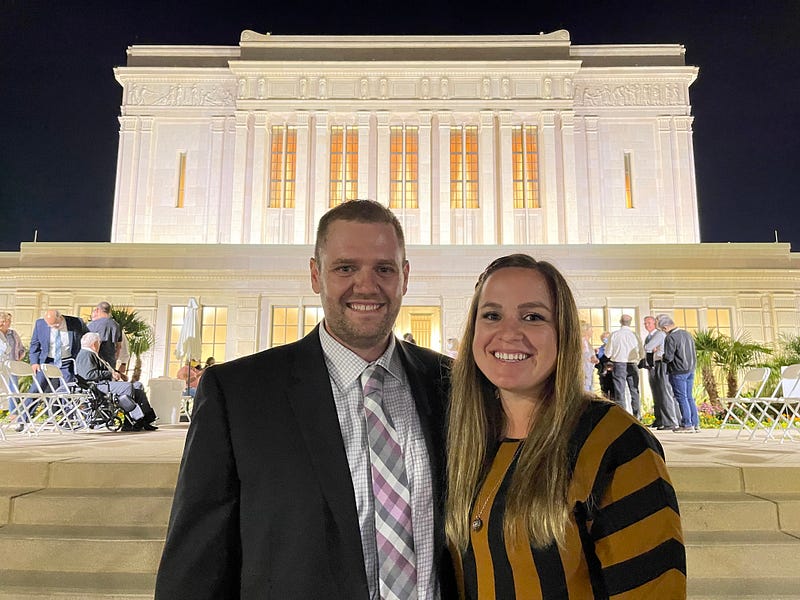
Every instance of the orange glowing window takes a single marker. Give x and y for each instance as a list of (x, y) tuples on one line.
[(403, 167), (282, 169), (628, 182), (181, 197), (464, 167), (344, 164), (525, 166)]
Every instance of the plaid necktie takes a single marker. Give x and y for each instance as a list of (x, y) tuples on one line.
[(57, 349), (397, 569)]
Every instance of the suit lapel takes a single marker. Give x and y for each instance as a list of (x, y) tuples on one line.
[(310, 396)]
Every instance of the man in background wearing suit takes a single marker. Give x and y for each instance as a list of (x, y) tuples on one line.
[(280, 488), (56, 338)]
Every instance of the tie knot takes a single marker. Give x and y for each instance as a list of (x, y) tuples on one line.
[(372, 379)]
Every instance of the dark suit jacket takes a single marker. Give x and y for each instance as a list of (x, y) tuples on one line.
[(264, 506), (40, 339)]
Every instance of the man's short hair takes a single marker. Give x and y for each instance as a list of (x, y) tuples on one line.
[(89, 339), (359, 211), (665, 321), (625, 320), (104, 307)]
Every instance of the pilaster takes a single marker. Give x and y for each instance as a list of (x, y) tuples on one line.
[(486, 183), (443, 134), (321, 166), (506, 235), (123, 223), (143, 186), (363, 121), (382, 156), (548, 174), (214, 199), (240, 176), (595, 199), (302, 166), (260, 195), (424, 177), (570, 204)]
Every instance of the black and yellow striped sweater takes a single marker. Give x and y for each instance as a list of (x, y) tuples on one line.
[(624, 540)]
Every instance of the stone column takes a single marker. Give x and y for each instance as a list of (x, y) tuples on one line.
[(443, 131), (322, 167), (125, 188), (486, 182), (689, 230), (362, 120), (572, 229), (382, 155), (424, 174), (595, 198), (256, 234), (240, 177), (548, 178), (507, 234), (214, 198), (143, 217), (301, 191), (667, 198)]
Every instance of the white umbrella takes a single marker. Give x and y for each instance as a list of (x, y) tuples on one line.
[(188, 346)]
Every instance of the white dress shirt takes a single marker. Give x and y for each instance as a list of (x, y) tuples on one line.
[(624, 346)]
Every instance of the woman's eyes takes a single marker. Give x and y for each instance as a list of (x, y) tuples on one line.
[(531, 317)]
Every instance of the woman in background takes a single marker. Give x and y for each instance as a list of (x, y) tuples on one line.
[(553, 493)]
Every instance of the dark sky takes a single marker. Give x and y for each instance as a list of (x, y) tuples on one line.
[(59, 101)]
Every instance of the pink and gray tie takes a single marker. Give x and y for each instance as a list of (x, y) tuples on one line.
[(397, 569)]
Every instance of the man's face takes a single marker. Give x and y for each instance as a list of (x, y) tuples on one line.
[(649, 324), (361, 278)]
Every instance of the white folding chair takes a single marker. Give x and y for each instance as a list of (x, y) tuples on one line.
[(771, 407), (23, 404), (69, 406), (753, 382), (788, 409)]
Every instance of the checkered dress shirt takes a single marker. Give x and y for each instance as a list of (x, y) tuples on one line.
[(344, 369)]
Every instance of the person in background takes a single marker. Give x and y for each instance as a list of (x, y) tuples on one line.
[(665, 409), (210, 361), (407, 337), (92, 367), (452, 347), (109, 331), (681, 358), (16, 349), (191, 374), (588, 355), (549, 488), (625, 350)]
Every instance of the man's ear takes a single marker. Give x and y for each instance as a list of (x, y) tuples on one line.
[(406, 269), (314, 268)]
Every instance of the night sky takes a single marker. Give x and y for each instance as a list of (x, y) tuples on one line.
[(59, 101)]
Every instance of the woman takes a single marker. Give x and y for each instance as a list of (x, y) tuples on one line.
[(553, 493)]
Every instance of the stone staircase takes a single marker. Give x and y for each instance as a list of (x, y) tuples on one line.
[(92, 529), (742, 530), (78, 531)]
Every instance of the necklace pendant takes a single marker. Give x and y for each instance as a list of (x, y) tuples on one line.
[(477, 524)]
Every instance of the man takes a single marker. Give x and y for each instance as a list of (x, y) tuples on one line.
[(667, 413), (90, 366), (56, 338), (604, 368), (624, 350), (276, 492), (681, 359), (190, 374), (109, 330)]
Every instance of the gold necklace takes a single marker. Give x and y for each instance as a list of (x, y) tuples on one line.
[(477, 520)]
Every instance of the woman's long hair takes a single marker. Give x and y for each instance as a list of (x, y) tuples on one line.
[(536, 505)]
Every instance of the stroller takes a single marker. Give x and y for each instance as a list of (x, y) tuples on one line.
[(104, 408)]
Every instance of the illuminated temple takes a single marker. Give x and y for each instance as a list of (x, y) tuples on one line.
[(482, 145)]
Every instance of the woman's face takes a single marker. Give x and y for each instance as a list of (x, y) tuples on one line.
[(515, 343)]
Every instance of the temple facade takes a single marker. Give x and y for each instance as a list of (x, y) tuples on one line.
[(482, 145)]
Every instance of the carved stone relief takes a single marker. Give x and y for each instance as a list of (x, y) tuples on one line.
[(179, 95), (632, 94), (425, 88)]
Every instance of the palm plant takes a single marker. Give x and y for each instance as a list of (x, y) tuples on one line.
[(139, 334), (707, 345), (736, 354)]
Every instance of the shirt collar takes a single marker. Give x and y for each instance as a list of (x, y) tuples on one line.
[(345, 366)]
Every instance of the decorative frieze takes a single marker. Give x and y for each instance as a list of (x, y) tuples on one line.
[(631, 94), (180, 94)]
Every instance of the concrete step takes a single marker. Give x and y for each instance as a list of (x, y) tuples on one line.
[(740, 554), (742, 588), (44, 585), (719, 511), (93, 507), (719, 478), (110, 475), (18, 473), (81, 549), (6, 496)]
